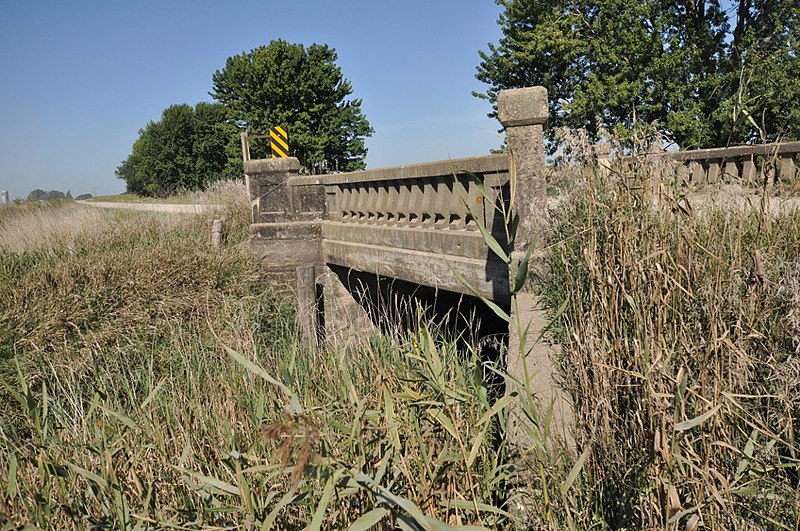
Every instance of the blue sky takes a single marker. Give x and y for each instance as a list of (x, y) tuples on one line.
[(80, 78)]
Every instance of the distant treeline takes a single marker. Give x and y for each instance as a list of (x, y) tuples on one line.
[(54, 195)]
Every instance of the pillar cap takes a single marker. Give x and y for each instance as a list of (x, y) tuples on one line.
[(281, 165), (524, 106)]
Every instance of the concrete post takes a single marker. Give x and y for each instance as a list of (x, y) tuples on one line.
[(731, 171), (698, 172), (602, 153), (523, 112), (216, 233), (788, 167), (286, 233), (3, 197), (749, 170)]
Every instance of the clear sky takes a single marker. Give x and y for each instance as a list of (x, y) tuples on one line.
[(79, 78)]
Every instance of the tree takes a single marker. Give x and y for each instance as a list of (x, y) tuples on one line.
[(41, 195), (187, 149), (302, 90), (678, 63)]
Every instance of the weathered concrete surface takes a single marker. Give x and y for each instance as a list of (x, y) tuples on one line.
[(346, 322), (523, 112), (283, 236), (430, 269), (415, 222)]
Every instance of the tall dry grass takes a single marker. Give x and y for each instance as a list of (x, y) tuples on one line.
[(154, 383), (46, 225), (680, 352)]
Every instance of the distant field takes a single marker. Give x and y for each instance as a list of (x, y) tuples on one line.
[(119, 198)]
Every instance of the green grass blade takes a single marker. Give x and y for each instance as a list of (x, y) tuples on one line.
[(256, 369), (91, 476), (322, 506), (522, 271), (369, 519), (573, 473), (494, 307)]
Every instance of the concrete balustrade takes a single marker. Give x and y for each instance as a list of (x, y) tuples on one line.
[(739, 164), (414, 223)]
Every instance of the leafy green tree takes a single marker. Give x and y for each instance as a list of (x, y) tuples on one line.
[(187, 149), (303, 90), (677, 63)]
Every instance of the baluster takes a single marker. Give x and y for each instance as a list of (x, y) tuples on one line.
[(393, 202), (441, 201), (361, 201), (731, 173), (788, 167), (682, 174), (372, 202), (426, 205), (344, 202), (404, 203), (698, 172), (713, 171), (456, 194), (749, 170), (381, 201)]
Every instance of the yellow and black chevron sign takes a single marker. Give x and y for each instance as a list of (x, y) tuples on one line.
[(279, 141)]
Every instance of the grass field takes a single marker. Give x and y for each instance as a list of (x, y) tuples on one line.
[(150, 381)]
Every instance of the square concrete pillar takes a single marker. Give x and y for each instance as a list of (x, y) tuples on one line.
[(523, 113)]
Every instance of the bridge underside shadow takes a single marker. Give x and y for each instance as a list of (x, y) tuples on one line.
[(398, 308)]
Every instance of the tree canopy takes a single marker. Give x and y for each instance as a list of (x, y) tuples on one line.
[(52, 195), (705, 76), (187, 149), (303, 90)]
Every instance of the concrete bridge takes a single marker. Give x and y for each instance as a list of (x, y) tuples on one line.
[(413, 223), (341, 242), (346, 244)]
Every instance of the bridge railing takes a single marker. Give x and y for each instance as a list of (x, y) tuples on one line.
[(414, 222), (737, 164)]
